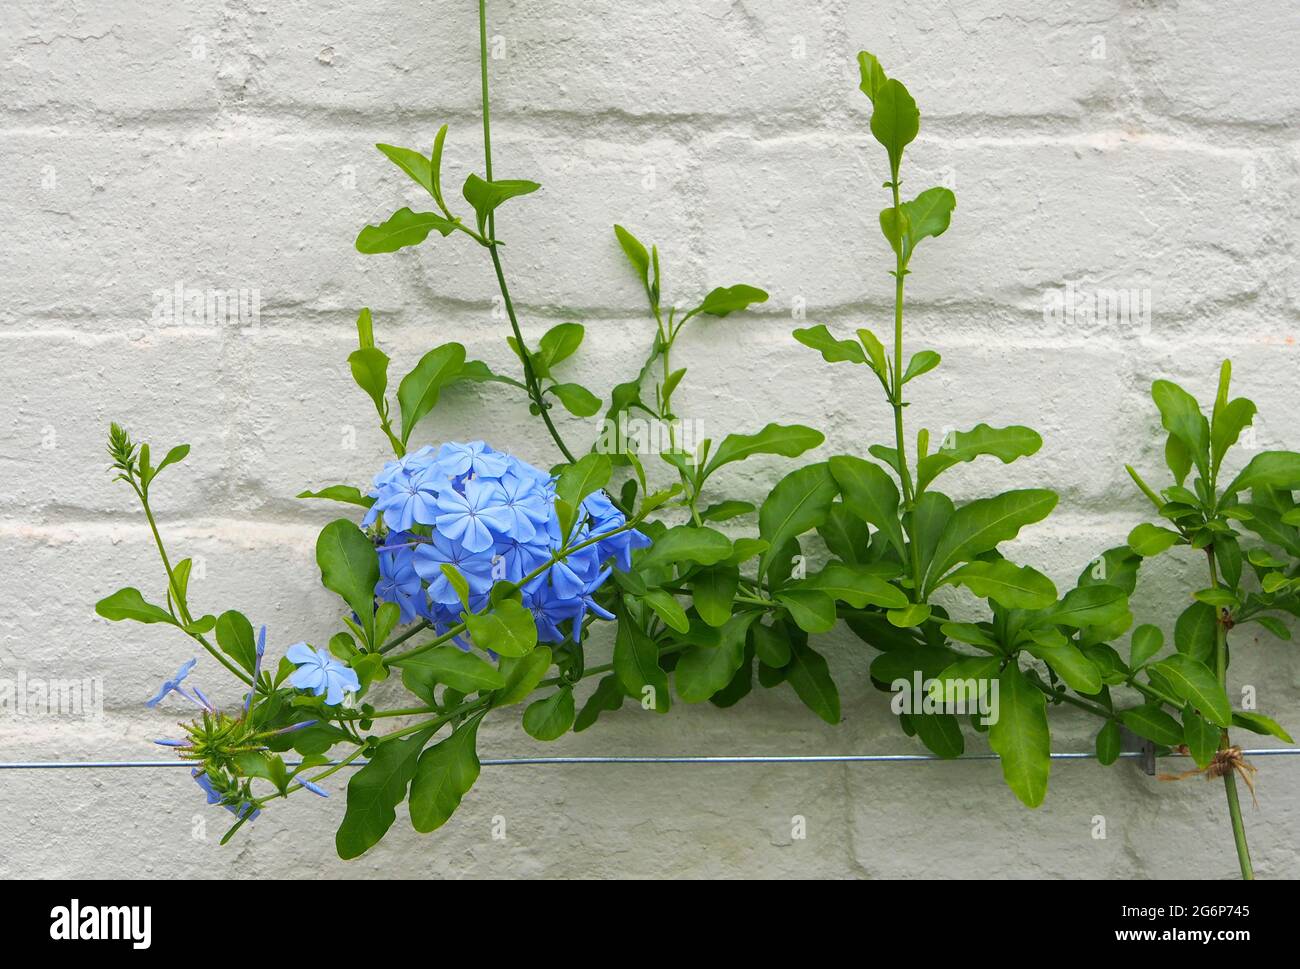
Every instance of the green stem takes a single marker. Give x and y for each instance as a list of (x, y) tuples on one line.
[(143, 495), (896, 398), (1229, 778), (530, 376)]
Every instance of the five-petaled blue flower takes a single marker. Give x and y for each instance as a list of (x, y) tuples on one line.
[(321, 673)]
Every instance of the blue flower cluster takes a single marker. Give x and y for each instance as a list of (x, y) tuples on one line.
[(493, 517)]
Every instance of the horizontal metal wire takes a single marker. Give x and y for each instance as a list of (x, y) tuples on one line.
[(684, 759)]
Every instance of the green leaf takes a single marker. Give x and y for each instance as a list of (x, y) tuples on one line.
[(940, 732), (797, 504), (448, 664), (712, 591), (1275, 470), (636, 663), (1218, 597), (704, 670), (344, 493), (787, 440), (686, 543), (668, 609), (375, 791), (929, 214), (403, 228), (1020, 736), (551, 717), (894, 227), (443, 775), (560, 342), (730, 299), (1260, 724), (1090, 605), (418, 392), (725, 510), (894, 120), (1016, 587), (1146, 642), (873, 75), (1154, 724), (589, 473), (413, 163), (832, 350), (236, 639), (1182, 418), (485, 196), (812, 611), (508, 630), (922, 361), (577, 400), (1150, 540), (1004, 443), (969, 632), (845, 534), (811, 679), (606, 698), (1226, 427), (771, 645), (1201, 737), (1079, 673), (521, 675), (858, 586), (370, 371), (1194, 682), (870, 494), (635, 252), (174, 456), (1195, 630), (912, 615), (1108, 743), (349, 567), (980, 525), (128, 603)]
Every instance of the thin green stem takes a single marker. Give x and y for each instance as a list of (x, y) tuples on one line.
[(174, 588), (530, 376), (896, 397), (1229, 777)]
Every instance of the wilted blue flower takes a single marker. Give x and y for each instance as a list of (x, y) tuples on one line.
[(216, 797), (174, 686), (321, 673)]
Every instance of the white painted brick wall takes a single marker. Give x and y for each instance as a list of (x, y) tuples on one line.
[(1110, 143)]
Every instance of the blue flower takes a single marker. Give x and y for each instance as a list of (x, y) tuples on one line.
[(174, 685), (321, 673), (411, 499), (473, 458), (429, 558), (475, 517), (525, 505), (398, 580), (492, 517)]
